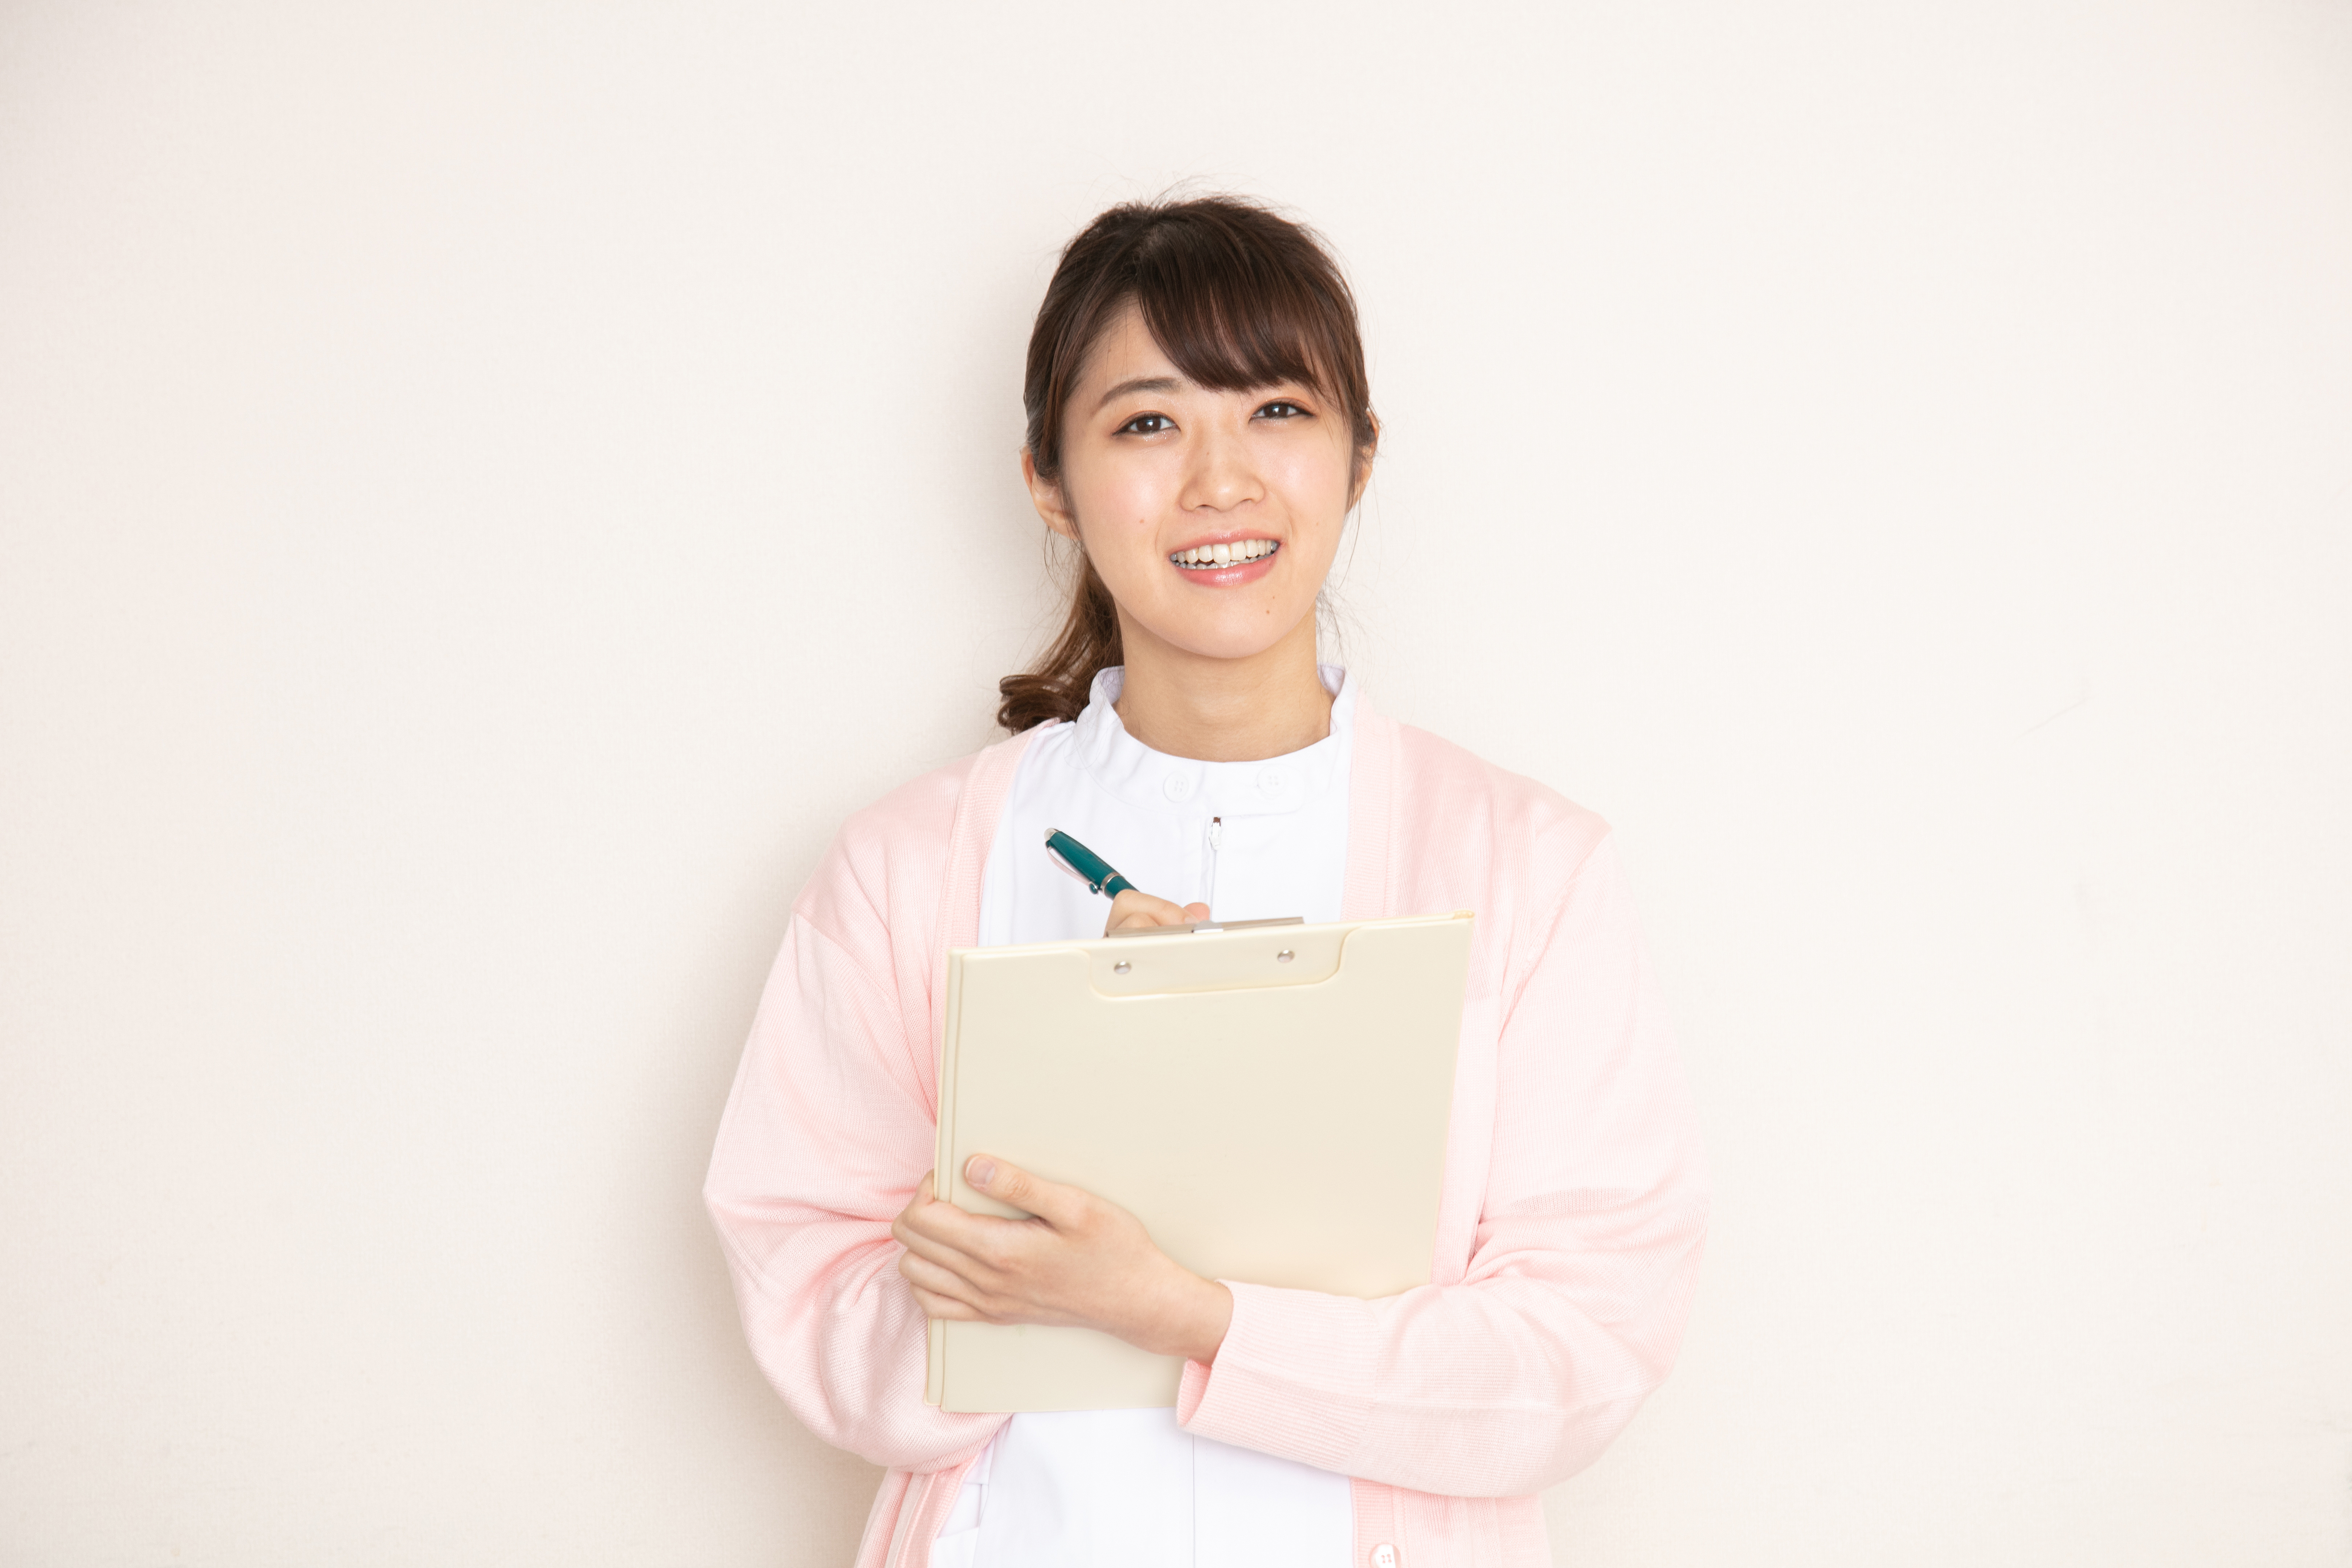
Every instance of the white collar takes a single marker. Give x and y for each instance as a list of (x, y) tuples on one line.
[(1140, 776)]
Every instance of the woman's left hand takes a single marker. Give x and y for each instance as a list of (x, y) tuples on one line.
[(1077, 1260)]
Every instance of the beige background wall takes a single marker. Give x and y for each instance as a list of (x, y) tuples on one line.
[(484, 488)]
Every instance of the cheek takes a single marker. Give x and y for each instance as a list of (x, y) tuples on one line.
[(1119, 516), (1315, 485), (1122, 496)]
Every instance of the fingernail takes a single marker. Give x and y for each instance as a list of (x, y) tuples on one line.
[(980, 1170)]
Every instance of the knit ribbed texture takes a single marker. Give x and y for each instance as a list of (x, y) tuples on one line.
[(1570, 1224), (1371, 800)]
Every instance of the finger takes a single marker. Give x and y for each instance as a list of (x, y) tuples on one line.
[(1132, 911), (928, 1215), (1007, 1183), (937, 1306), (1194, 914), (925, 1275), (921, 1200), (978, 1245), (940, 1251)]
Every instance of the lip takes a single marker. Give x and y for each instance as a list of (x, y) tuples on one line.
[(1232, 576)]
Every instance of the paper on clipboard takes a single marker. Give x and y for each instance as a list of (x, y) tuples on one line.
[(1271, 1103)]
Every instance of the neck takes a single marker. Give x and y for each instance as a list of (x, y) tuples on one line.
[(1222, 710)]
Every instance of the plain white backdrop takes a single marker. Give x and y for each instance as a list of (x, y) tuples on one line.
[(485, 489)]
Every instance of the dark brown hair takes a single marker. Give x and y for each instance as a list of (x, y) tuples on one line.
[(1238, 298)]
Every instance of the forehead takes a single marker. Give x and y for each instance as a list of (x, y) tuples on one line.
[(1125, 350)]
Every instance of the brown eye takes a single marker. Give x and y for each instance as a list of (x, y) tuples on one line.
[(1147, 425), (1282, 408)]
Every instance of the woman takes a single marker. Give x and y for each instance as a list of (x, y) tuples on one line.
[(1201, 426)]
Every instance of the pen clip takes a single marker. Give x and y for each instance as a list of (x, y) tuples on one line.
[(1055, 851)]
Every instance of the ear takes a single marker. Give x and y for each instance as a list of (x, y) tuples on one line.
[(1364, 462), (1047, 497)]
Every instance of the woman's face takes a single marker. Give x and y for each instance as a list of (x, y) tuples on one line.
[(1212, 516)]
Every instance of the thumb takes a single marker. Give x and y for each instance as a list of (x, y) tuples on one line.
[(1132, 911), (1009, 1184)]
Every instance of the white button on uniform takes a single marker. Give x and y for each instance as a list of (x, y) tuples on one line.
[(1272, 781), (1177, 787), (1384, 1556)]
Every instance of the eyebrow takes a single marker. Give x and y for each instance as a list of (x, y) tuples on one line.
[(1140, 383)]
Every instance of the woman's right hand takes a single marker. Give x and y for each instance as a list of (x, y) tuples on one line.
[(1132, 911)]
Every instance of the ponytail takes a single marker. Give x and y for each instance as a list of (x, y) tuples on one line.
[(1237, 297), (1057, 688)]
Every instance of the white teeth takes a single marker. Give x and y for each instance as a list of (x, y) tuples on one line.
[(1232, 553)]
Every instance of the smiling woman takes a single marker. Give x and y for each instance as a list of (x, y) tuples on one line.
[(1200, 426), (1197, 402)]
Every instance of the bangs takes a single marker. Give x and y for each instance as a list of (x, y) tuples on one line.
[(1230, 322), (1235, 295)]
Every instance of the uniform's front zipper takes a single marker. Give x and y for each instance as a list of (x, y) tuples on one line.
[(1216, 831)]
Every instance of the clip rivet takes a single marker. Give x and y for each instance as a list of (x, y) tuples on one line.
[(1285, 956), (1121, 967)]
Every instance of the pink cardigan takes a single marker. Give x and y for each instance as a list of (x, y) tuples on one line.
[(1568, 1234)]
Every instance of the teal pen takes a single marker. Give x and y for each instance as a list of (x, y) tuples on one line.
[(1084, 865)]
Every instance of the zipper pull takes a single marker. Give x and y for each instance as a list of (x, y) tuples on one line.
[(1216, 827)]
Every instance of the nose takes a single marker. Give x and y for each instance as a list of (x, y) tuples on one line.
[(1222, 474)]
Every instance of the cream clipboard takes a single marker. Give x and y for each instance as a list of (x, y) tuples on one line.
[(1271, 1101)]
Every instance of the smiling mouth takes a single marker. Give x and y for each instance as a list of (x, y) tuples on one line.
[(1210, 557)]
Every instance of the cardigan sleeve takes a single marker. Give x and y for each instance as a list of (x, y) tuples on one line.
[(1580, 1273), (826, 1135)]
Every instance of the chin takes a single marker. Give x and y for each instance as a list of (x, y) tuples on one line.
[(1237, 645), (1241, 630)]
